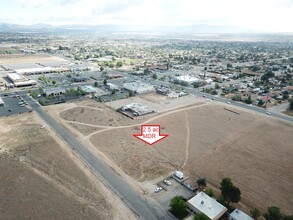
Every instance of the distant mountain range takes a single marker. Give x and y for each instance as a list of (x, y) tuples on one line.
[(196, 28)]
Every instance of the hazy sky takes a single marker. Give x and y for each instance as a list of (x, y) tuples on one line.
[(259, 15)]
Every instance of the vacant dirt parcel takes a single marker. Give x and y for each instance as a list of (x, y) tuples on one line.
[(41, 179), (205, 140)]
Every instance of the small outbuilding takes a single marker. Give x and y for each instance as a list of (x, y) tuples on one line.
[(239, 215)]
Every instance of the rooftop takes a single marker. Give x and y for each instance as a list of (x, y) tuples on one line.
[(207, 205), (239, 215)]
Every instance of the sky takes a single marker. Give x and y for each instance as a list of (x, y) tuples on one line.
[(258, 15)]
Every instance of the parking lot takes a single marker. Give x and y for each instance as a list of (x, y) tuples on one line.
[(12, 106), (170, 191)]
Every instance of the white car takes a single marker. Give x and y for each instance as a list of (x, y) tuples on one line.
[(167, 182), (268, 113), (158, 189), (229, 102)]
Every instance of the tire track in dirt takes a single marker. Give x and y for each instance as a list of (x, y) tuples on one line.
[(147, 121), (187, 140)]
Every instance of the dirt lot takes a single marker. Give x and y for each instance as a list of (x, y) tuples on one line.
[(255, 151), (22, 58), (42, 179)]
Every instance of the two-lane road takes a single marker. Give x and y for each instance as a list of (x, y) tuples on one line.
[(137, 204)]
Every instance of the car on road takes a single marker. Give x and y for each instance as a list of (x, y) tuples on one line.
[(158, 189), (204, 96), (268, 113), (9, 110), (167, 182), (213, 98), (5, 94), (229, 102)]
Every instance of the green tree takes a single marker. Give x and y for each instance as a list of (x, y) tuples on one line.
[(201, 216), (177, 206), (53, 82), (105, 82), (201, 182), (273, 213), (210, 192), (288, 217), (230, 192), (291, 104), (196, 84), (255, 213), (154, 76), (285, 96), (96, 84), (248, 100), (261, 102), (217, 86)]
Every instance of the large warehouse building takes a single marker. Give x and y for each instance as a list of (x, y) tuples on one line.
[(138, 87), (19, 80)]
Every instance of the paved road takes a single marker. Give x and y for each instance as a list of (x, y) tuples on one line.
[(224, 100), (141, 207)]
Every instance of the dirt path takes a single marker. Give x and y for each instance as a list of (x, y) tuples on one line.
[(91, 125), (187, 140), (84, 106), (147, 121)]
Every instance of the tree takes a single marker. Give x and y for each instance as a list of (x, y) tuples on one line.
[(248, 100), (288, 217), (154, 76), (96, 84), (285, 96), (196, 84), (230, 192), (291, 104), (105, 82), (210, 192), (260, 102), (177, 206), (273, 213), (201, 182), (255, 213), (217, 86), (53, 82), (201, 216), (101, 68)]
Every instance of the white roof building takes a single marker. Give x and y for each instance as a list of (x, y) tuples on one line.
[(19, 80), (202, 203), (139, 87), (239, 215), (187, 78)]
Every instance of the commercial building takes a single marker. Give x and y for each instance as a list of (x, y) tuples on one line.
[(136, 109), (88, 89), (239, 215), (138, 87), (19, 80), (54, 91), (112, 86), (187, 79), (1, 102), (202, 203)]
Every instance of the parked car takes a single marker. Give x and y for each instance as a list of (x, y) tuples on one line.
[(167, 182), (158, 189)]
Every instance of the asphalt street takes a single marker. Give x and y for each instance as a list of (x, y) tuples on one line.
[(141, 207)]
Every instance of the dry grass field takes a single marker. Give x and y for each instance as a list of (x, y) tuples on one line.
[(41, 179), (255, 151)]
